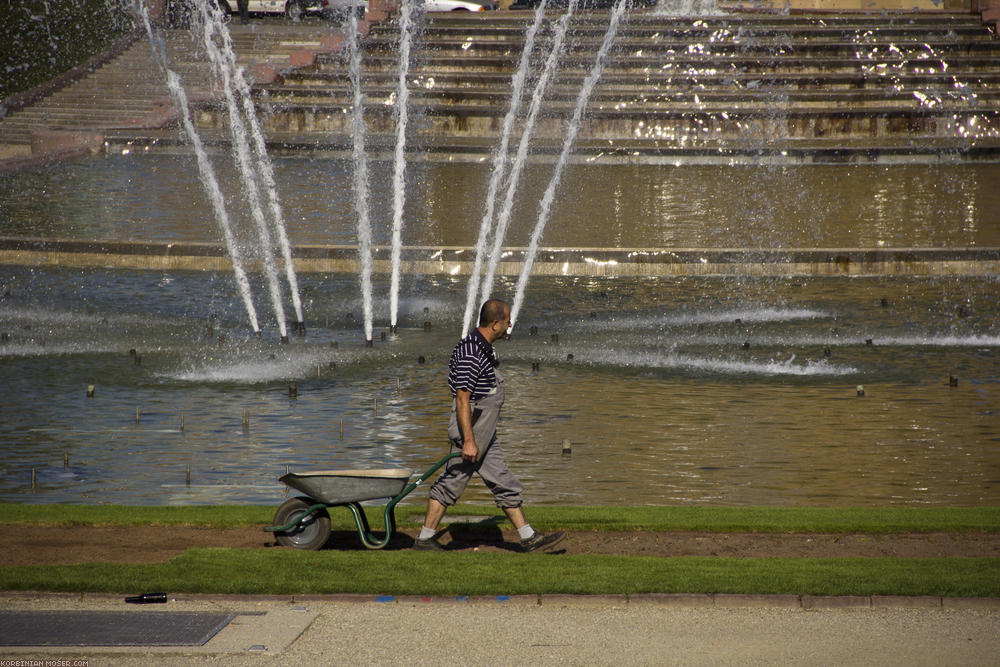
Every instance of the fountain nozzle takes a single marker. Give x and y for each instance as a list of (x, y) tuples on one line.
[(393, 328), (284, 340), (369, 343)]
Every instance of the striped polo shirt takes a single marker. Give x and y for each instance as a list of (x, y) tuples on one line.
[(471, 366)]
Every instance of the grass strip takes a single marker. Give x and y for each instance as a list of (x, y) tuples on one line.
[(264, 571), (880, 520)]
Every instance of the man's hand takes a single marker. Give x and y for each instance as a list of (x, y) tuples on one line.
[(469, 450)]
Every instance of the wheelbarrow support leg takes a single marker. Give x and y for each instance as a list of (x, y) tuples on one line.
[(367, 538)]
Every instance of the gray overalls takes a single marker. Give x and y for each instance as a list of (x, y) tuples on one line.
[(491, 465)]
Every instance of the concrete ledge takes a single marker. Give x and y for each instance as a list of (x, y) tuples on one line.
[(519, 600), (432, 599), (455, 261), (576, 601), (835, 602), (991, 604), (62, 141), (758, 601), (676, 600), (909, 602)]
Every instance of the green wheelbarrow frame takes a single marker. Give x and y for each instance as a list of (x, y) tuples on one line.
[(369, 539)]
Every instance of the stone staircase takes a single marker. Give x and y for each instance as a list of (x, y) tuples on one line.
[(893, 88), (717, 89), (119, 98)]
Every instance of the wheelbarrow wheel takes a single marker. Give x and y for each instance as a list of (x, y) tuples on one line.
[(309, 534)]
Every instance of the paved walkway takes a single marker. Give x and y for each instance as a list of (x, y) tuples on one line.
[(655, 630)]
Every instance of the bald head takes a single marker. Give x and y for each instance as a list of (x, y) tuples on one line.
[(494, 310)]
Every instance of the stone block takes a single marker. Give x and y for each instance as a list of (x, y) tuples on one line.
[(301, 58), (263, 73), (162, 114), (364, 27), (59, 141), (971, 603), (906, 601), (375, 16), (602, 601), (738, 600), (332, 42), (836, 602), (518, 600), (431, 599), (679, 600)]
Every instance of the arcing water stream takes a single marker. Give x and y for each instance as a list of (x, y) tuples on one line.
[(364, 225), (500, 158), (521, 156), (545, 206), (399, 157), (208, 179)]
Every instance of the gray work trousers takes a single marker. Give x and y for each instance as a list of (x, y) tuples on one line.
[(490, 465)]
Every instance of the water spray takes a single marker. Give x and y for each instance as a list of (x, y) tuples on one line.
[(521, 157), (265, 170), (399, 167), (361, 178), (499, 166), (208, 179), (574, 127), (211, 22)]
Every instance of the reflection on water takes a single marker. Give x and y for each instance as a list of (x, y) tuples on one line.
[(158, 197), (679, 391)]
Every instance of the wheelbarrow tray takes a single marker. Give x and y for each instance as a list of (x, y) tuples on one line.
[(339, 487)]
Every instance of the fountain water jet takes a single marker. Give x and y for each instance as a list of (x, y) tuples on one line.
[(574, 127), (211, 22), (211, 185), (208, 179), (500, 158), (361, 176), (521, 157), (265, 169), (399, 166)]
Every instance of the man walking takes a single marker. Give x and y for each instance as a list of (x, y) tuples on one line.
[(478, 391)]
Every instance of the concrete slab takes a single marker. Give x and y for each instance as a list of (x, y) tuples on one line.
[(677, 600), (757, 601), (904, 601), (591, 601), (988, 604), (836, 602)]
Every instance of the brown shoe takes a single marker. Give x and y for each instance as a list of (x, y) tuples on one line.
[(539, 541), (430, 544)]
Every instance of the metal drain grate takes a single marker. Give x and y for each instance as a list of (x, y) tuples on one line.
[(109, 628)]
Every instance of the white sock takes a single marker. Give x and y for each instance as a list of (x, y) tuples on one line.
[(426, 533), (525, 531)]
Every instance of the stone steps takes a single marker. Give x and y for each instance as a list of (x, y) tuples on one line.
[(822, 83), (829, 88), (126, 88)]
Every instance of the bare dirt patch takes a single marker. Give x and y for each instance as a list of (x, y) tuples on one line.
[(62, 545)]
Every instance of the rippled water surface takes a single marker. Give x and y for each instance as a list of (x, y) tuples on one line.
[(679, 391), (158, 197)]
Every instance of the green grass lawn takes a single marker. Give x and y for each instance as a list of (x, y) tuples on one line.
[(287, 571), (886, 520)]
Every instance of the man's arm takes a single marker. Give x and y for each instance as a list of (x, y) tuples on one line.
[(463, 410)]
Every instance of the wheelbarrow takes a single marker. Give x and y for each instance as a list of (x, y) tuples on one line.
[(304, 523)]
